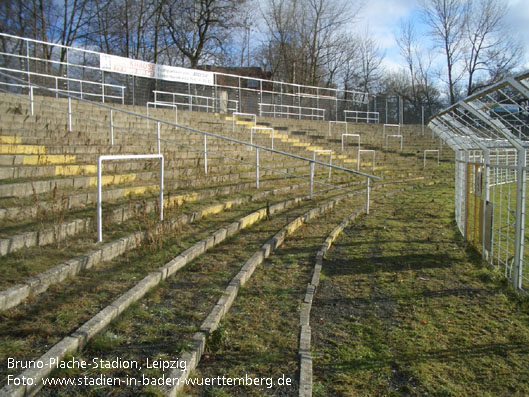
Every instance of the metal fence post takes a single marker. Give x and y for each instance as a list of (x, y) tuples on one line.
[(70, 114), (158, 136), (311, 178), (103, 86), (330, 163), (367, 196), (485, 196), (111, 127), (422, 118), (205, 155), (161, 187), (99, 199), (257, 168), (520, 220), (31, 99)]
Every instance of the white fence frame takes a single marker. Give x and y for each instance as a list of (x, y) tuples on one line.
[(316, 113), (164, 104), (236, 115), (390, 126), (393, 136), (365, 151), (286, 94), (431, 151), (337, 122), (330, 157), (357, 135), (252, 129), (360, 115), (69, 91)]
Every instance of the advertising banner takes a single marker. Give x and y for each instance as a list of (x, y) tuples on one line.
[(112, 63)]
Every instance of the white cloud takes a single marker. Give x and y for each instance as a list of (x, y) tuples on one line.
[(381, 19), (518, 19)]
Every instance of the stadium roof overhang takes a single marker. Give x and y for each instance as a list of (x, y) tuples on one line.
[(496, 117)]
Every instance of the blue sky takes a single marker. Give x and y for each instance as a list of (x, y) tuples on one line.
[(382, 18)]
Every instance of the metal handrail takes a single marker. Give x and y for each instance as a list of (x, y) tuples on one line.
[(367, 118), (68, 79), (329, 93), (205, 134)]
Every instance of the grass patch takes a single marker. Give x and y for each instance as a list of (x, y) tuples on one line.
[(406, 309)]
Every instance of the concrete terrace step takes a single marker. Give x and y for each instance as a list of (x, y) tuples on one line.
[(29, 188)]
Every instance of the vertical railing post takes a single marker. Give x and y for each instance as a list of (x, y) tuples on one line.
[(260, 98), (161, 187), (31, 99), (70, 114), (103, 86), (311, 179), (27, 62), (99, 199), (68, 70), (158, 136), (205, 155), (240, 96), (520, 220), (367, 196), (422, 118), (56, 87), (257, 168), (111, 127), (485, 196)]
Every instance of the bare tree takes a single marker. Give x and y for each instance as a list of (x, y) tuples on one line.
[(305, 38), (419, 87), (369, 69), (491, 47), (447, 20), (198, 28)]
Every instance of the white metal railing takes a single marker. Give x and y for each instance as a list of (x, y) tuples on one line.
[(329, 152), (359, 158), (430, 151), (163, 104), (359, 116), (73, 62), (192, 101), (337, 123), (393, 136), (351, 135), (390, 126), (252, 129), (291, 110), (205, 135), (79, 82), (236, 115)]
